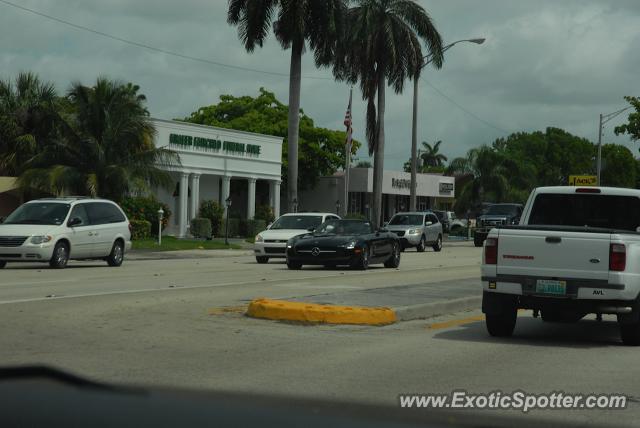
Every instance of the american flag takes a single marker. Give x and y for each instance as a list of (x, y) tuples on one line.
[(347, 120)]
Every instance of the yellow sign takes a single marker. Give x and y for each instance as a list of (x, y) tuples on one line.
[(583, 180)]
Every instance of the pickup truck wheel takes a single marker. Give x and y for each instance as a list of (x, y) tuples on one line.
[(421, 245), (630, 334), (502, 325), (262, 259)]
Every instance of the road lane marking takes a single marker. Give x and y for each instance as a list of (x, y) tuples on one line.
[(455, 323), (52, 281)]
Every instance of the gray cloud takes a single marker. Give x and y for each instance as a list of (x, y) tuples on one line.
[(545, 63)]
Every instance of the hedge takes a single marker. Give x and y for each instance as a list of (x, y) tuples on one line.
[(234, 228), (214, 212), (201, 227), (146, 208), (140, 229)]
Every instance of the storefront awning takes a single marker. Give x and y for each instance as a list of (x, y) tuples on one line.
[(7, 184)]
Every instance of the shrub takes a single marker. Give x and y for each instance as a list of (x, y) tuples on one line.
[(201, 227), (264, 212), (146, 208), (140, 229), (214, 212), (234, 227), (356, 216), (253, 227)]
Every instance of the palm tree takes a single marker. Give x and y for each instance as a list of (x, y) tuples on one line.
[(431, 155), (28, 120), (299, 23), (107, 149), (382, 46)]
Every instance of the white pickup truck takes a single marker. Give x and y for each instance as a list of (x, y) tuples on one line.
[(575, 251)]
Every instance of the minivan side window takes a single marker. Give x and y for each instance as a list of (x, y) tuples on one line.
[(104, 213), (80, 212)]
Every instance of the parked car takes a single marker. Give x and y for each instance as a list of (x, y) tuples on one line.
[(417, 229), (59, 229), (496, 215), (272, 243), (575, 252), (344, 242), (450, 223)]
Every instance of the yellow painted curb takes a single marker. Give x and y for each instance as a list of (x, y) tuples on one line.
[(315, 313)]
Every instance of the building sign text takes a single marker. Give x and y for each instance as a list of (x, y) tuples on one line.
[(214, 145)]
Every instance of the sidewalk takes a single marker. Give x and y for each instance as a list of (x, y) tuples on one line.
[(407, 302)]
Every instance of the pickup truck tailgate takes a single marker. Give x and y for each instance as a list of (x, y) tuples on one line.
[(543, 253)]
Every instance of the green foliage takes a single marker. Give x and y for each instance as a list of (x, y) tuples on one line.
[(632, 128), (619, 168), (234, 227), (96, 141), (264, 212), (356, 216), (200, 227), (214, 212), (140, 229), (320, 150), (253, 227), (431, 156), (364, 164), (146, 208)]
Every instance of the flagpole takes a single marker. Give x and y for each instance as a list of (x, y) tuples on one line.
[(347, 157)]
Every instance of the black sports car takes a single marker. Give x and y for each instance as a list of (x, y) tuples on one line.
[(344, 242)]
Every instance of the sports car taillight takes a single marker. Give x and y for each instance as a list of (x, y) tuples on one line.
[(491, 251), (617, 257)]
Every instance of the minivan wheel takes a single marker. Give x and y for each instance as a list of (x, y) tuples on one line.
[(630, 334), (2, 264), (421, 245), (116, 257), (60, 256)]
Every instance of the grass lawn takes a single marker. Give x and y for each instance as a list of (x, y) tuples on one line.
[(170, 243)]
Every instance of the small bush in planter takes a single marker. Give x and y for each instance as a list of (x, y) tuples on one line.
[(201, 227), (140, 229), (214, 212)]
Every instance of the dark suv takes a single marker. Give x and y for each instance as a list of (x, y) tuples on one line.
[(496, 214)]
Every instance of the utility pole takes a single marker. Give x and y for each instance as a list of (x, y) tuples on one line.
[(599, 161)]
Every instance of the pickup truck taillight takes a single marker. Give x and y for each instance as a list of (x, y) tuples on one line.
[(617, 257), (491, 251)]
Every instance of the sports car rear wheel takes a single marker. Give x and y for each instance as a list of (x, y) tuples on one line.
[(394, 260)]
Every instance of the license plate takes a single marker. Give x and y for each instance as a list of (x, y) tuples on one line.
[(550, 286)]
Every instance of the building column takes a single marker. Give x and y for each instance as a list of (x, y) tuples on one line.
[(274, 197), (251, 201), (182, 204), (226, 189), (195, 196)]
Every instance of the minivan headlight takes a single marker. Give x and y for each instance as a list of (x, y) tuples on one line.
[(40, 239)]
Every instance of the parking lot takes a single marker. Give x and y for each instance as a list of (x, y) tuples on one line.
[(179, 321)]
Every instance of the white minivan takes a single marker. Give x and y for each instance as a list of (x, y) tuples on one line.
[(58, 229)]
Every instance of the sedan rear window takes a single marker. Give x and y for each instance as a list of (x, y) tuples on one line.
[(605, 211), (302, 222)]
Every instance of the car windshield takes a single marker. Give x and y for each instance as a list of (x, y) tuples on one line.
[(301, 222), (39, 213), (406, 220), (607, 211), (344, 227), (502, 210)]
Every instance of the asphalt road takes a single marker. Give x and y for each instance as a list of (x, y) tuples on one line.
[(179, 323)]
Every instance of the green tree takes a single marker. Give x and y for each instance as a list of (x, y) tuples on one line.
[(28, 120), (321, 149), (619, 166), (431, 155), (633, 127), (363, 164), (107, 147), (299, 23), (382, 46)]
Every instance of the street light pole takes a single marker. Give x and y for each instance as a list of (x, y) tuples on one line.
[(604, 118), (414, 126)]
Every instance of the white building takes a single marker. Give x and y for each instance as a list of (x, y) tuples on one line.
[(217, 163), (432, 191)]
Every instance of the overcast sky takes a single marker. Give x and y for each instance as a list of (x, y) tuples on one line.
[(545, 63)]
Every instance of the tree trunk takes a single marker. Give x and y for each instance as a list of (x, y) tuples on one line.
[(414, 147), (294, 124), (378, 160)]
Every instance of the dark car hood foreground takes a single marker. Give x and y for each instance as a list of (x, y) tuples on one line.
[(324, 240)]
